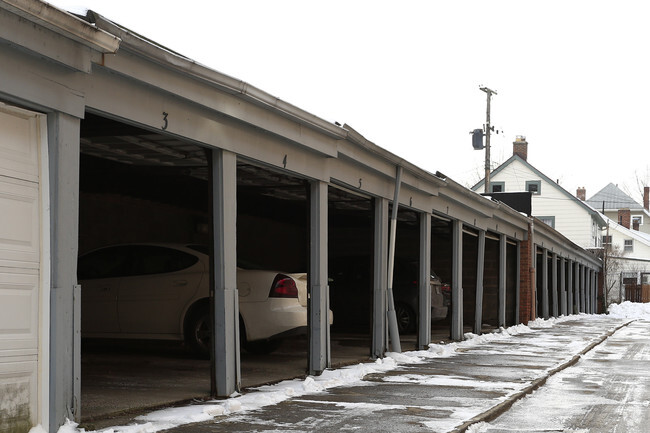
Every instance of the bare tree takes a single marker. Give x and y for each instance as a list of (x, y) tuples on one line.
[(641, 180), (612, 256)]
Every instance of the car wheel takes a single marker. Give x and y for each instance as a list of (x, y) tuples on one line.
[(197, 332), (405, 318)]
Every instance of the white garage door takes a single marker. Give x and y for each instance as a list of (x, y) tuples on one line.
[(21, 296)]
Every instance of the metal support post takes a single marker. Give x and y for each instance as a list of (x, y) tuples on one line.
[(545, 307), (563, 300), (480, 271), (393, 331), (457, 282), (319, 328), (424, 282), (65, 358), (225, 365), (502, 280), (554, 296), (380, 275)]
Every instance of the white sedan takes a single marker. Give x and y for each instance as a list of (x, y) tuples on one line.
[(161, 291)]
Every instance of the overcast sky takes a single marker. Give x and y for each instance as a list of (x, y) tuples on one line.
[(571, 76)]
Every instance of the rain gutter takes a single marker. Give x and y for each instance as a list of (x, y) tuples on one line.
[(63, 23)]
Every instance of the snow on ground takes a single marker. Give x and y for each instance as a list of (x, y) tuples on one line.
[(630, 310), (347, 376)]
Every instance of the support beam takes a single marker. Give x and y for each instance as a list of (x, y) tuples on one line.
[(480, 270), (502, 280), (583, 289), (544, 270), (563, 301), (380, 279), (554, 297), (393, 330), (593, 292), (518, 282), (576, 287), (65, 356), (424, 279), (457, 282), (569, 278), (226, 370), (598, 310), (319, 327)]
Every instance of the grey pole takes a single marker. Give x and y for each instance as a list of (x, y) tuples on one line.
[(518, 280), (554, 284), (380, 275), (585, 285), (457, 282), (502, 280), (393, 331), (424, 277), (480, 271), (569, 297), (319, 329), (563, 305), (65, 374), (226, 357), (576, 287), (545, 309)]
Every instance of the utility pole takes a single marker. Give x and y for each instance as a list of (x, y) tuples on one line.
[(488, 129)]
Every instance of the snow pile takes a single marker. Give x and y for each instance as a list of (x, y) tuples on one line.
[(630, 310)]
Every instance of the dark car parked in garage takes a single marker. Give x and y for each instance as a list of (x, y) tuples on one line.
[(351, 293)]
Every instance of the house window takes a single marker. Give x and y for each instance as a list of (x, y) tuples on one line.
[(497, 186), (637, 220), (548, 220), (607, 240), (534, 186), (628, 246)]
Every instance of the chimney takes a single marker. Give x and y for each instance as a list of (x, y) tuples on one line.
[(520, 147), (646, 197), (581, 193), (624, 217)]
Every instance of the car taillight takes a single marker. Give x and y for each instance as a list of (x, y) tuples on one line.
[(283, 287), (446, 288)]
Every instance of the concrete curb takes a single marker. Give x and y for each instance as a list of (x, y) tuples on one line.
[(495, 411)]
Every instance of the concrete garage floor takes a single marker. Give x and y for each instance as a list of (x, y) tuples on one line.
[(123, 379)]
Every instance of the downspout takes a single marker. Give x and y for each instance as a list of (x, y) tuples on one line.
[(393, 331)]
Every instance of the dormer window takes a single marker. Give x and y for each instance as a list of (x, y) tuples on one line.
[(534, 186), (497, 186)]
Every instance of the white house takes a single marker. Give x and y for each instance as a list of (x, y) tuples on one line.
[(620, 207), (626, 237), (550, 202)]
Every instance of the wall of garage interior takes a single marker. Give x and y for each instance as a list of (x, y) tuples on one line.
[(100, 68)]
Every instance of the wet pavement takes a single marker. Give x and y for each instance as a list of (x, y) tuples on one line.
[(607, 391), (475, 381)]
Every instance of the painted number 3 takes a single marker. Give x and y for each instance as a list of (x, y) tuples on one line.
[(164, 127)]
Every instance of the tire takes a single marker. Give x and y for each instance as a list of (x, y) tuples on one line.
[(197, 332), (406, 320)]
